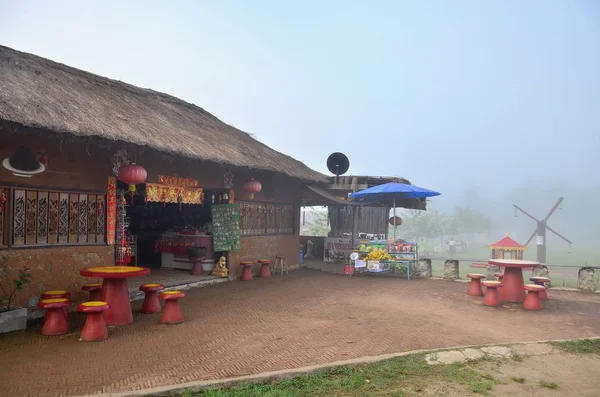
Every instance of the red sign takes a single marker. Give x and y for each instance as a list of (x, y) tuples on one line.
[(111, 210), (176, 181)]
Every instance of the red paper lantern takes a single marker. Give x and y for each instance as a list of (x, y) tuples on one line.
[(132, 174), (395, 221), (252, 186)]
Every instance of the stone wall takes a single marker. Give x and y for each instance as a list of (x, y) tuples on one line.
[(56, 268), (587, 279), (423, 268), (451, 270)]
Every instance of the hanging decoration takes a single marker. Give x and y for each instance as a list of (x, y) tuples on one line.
[(228, 179), (132, 174), (2, 199), (395, 221), (180, 200), (176, 181), (171, 194), (111, 210), (252, 186)]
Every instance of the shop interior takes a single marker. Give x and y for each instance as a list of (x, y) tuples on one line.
[(159, 234)]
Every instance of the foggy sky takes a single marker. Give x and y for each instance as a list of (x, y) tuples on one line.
[(456, 96)]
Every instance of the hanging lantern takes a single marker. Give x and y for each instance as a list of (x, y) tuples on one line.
[(132, 174), (395, 221), (252, 186)]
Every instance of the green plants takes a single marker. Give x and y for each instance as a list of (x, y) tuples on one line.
[(196, 253), (11, 282), (548, 385), (517, 380)]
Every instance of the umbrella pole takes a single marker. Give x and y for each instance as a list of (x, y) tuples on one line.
[(394, 221)]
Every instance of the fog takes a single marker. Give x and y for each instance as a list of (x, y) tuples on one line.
[(489, 103)]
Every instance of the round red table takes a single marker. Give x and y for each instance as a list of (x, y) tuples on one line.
[(512, 281), (114, 290)]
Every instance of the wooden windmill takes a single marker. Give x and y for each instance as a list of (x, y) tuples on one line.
[(540, 231)]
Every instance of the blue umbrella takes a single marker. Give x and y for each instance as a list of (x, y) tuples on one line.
[(392, 191)]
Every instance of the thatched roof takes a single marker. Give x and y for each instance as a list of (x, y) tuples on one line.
[(36, 92)]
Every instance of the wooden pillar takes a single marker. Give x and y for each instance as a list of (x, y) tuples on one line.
[(354, 224)]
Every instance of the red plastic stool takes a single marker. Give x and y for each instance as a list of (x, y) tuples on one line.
[(172, 313), (95, 327), (499, 276), (246, 271), (492, 298), (57, 294), (94, 289), (265, 268), (532, 300), (151, 302), (475, 284), (541, 281), (55, 323)]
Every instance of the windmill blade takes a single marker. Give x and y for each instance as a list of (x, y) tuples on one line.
[(560, 200), (526, 213), (531, 238), (558, 234)]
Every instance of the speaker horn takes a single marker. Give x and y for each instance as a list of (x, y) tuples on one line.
[(338, 164)]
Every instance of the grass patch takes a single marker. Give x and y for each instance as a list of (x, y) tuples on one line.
[(517, 357), (587, 346), (517, 380), (548, 385), (396, 377)]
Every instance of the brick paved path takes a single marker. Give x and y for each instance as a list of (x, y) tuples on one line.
[(307, 317)]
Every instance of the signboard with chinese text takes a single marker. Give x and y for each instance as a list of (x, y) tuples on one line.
[(337, 249)]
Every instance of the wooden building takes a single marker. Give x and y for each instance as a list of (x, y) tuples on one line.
[(81, 125)]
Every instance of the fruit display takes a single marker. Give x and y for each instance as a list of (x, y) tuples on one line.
[(378, 255)]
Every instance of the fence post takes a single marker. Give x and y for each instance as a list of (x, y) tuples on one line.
[(587, 279), (423, 268), (542, 271), (451, 269)]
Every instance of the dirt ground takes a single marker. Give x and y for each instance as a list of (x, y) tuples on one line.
[(304, 318), (575, 375)]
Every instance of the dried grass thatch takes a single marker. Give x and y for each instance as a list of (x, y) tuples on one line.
[(36, 92)]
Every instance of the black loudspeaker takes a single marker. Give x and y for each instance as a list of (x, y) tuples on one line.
[(338, 164)]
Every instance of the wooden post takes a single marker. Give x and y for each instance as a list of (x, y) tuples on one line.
[(354, 224)]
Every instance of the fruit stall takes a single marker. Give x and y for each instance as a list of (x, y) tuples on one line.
[(381, 256)]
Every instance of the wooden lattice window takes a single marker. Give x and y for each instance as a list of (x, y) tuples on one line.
[(266, 218), (46, 217)]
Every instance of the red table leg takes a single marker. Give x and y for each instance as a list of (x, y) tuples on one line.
[(246, 273), (172, 313), (94, 328), (512, 285), (265, 270), (116, 294), (55, 323)]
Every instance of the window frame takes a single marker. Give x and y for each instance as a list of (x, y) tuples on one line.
[(265, 229), (9, 229)]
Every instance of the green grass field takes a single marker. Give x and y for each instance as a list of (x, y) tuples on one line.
[(399, 377)]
